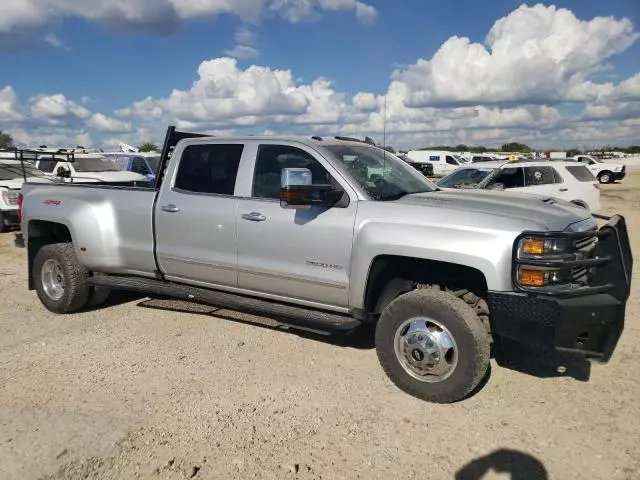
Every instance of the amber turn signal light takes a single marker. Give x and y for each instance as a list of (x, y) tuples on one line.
[(531, 278), (532, 246)]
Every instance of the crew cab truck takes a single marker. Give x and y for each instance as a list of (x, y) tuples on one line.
[(330, 234)]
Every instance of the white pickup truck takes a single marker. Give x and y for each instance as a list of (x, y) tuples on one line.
[(332, 234), (605, 172)]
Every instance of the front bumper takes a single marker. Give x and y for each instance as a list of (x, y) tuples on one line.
[(587, 321), (620, 175), (10, 218)]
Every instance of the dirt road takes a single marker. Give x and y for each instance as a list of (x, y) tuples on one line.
[(145, 389)]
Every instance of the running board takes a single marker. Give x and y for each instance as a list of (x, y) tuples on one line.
[(288, 314)]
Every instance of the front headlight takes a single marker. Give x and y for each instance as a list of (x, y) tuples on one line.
[(531, 247)]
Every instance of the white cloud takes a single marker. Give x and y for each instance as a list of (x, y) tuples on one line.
[(9, 105), (244, 48), (159, 15), (102, 123), (53, 107), (242, 52), (534, 81), (56, 42), (535, 54)]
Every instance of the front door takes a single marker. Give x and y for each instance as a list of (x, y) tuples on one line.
[(196, 216), (300, 254)]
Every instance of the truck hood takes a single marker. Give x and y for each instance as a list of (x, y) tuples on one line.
[(543, 212), (122, 176)]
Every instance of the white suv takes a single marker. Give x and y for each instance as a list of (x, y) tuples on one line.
[(571, 181)]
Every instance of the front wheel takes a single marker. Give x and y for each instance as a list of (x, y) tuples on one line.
[(432, 345), (605, 177), (61, 282)]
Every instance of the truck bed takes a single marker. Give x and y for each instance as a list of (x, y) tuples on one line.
[(116, 233)]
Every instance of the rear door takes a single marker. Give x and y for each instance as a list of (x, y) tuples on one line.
[(546, 180), (196, 216), (294, 254)]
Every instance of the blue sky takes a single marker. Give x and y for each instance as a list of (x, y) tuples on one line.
[(96, 62)]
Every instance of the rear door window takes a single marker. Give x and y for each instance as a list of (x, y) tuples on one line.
[(511, 177), (209, 169), (535, 176), (581, 173)]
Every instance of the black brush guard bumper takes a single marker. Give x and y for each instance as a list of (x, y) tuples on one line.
[(587, 321)]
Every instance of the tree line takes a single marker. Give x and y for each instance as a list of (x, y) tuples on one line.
[(6, 141)]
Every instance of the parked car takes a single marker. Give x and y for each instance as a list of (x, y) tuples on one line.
[(443, 162), (12, 177), (87, 168), (570, 181), (426, 168), (331, 235), (145, 164), (605, 172)]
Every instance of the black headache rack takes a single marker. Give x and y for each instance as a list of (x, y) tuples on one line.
[(27, 158), (171, 139)]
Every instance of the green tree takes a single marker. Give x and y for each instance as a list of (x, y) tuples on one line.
[(516, 147), (633, 149), (6, 140), (148, 147)]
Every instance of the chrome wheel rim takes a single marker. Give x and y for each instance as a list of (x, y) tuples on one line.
[(426, 349), (605, 178), (53, 279)]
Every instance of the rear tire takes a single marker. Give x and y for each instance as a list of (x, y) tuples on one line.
[(61, 282), (432, 345), (605, 177)]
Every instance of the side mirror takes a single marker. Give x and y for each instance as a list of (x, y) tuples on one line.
[(297, 190), (497, 186), (63, 172)]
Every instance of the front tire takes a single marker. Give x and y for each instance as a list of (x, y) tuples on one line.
[(61, 282), (432, 345), (3, 227), (605, 177)]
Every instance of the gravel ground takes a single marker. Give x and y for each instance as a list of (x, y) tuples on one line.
[(166, 390)]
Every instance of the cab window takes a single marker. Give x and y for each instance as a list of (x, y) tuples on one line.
[(270, 162), (452, 161)]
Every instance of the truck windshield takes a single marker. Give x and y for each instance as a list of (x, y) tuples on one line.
[(381, 175), (153, 163), (95, 164), (465, 178)]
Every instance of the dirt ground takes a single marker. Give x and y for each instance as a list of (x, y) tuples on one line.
[(146, 389)]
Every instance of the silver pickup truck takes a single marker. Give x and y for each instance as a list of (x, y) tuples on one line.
[(331, 234)]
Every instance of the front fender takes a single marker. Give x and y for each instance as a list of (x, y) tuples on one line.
[(484, 249)]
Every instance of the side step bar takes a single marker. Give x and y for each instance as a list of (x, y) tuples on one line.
[(288, 314)]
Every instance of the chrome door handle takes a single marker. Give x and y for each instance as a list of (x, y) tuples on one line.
[(254, 217), (563, 189), (170, 208)]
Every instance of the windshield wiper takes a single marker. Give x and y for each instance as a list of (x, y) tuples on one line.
[(399, 195)]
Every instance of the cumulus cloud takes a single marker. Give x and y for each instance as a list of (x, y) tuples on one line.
[(535, 54), (160, 16), (244, 48), (533, 80)]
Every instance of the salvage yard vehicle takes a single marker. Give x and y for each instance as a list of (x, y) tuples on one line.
[(86, 167), (605, 172), (13, 173), (442, 162), (307, 231), (570, 181)]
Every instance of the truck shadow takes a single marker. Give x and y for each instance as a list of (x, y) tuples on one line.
[(361, 338), (518, 465), (507, 354)]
